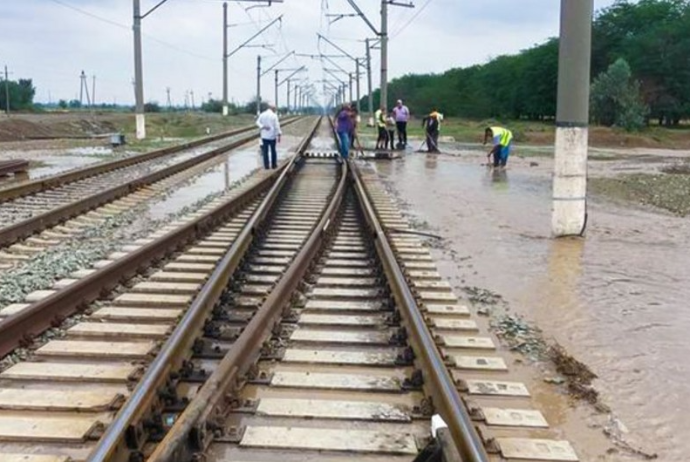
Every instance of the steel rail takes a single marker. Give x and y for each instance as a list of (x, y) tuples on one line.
[(126, 433), (193, 429), (26, 228), (20, 328), (437, 380), (85, 172), (13, 166)]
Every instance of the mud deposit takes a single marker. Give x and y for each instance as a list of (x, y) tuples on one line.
[(616, 301)]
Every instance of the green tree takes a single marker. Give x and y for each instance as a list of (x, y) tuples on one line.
[(616, 99), (21, 92), (652, 36), (152, 106)]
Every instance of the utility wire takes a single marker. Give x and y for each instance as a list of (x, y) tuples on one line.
[(128, 28), (412, 19)]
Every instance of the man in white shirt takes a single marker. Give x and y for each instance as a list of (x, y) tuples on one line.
[(269, 125)]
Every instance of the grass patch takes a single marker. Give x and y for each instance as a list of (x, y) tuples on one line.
[(160, 126), (666, 191), (543, 133), (183, 125)]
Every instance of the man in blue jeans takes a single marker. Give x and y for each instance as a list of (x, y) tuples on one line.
[(502, 140), (269, 127), (344, 127)]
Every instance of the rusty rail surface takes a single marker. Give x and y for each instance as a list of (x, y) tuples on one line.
[(13, 166), (79, 174), (26, 228), (437, 380), (19, 329), (192, 431), (127, 433)]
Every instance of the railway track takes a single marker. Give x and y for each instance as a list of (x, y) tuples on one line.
[(31, 207), (25, 249), (298, 330)]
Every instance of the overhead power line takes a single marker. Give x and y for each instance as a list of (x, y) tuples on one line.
[(128, 28), (411, 20)]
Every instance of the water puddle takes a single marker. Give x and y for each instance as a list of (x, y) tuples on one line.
[(230, 168), (616, 300)]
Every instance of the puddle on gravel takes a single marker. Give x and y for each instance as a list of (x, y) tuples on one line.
[(53, 164), (616, 300), (231, 167)]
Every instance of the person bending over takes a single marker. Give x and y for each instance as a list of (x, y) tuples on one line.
[(502, 140)]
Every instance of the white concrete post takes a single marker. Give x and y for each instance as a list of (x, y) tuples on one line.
[(572, 119)]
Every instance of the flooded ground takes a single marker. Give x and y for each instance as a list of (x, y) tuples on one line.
[(616, 300), (229, 168)]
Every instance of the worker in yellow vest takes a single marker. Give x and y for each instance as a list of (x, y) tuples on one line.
[(380, 118), (502, 140)]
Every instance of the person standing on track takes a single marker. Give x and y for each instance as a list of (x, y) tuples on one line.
[(354, 115), (344, 126), (269, 127), (502, 139), (402, 116), (390, 128), (380, 118)]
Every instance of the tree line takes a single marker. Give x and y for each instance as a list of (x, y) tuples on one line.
[(21, 94), (650, 37)]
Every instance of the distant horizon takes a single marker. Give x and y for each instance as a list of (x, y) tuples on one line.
[(182, 42)]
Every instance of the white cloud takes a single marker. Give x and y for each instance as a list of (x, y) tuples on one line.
[(52, 43)]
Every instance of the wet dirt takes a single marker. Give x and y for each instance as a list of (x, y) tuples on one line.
[(615, 301)]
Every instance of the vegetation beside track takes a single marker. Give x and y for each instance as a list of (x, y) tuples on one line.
[(543, 133)]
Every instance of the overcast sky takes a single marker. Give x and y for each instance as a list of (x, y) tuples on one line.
[(52, 41)]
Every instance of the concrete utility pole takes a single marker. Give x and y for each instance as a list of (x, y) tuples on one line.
[(93, 90), (384, 55), (569, 211), (349, 75), (82, 76), (369, 89), (225, 59), (383, 36), (294, 96), (227, 54), (288, 95), (275, 90), (138, 73), (84, 88), (261, 73), (258, 85), (7, 92), (357, 78)]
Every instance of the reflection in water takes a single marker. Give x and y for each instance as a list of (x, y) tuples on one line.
[(617, 300), (226, 167), (431, 162), (497, 178), (564, 272)]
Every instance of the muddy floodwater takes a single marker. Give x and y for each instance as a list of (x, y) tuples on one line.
[(618, 300)]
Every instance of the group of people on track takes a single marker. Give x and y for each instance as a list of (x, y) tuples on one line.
[(346, 125), (387, 125), (395, 120)]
